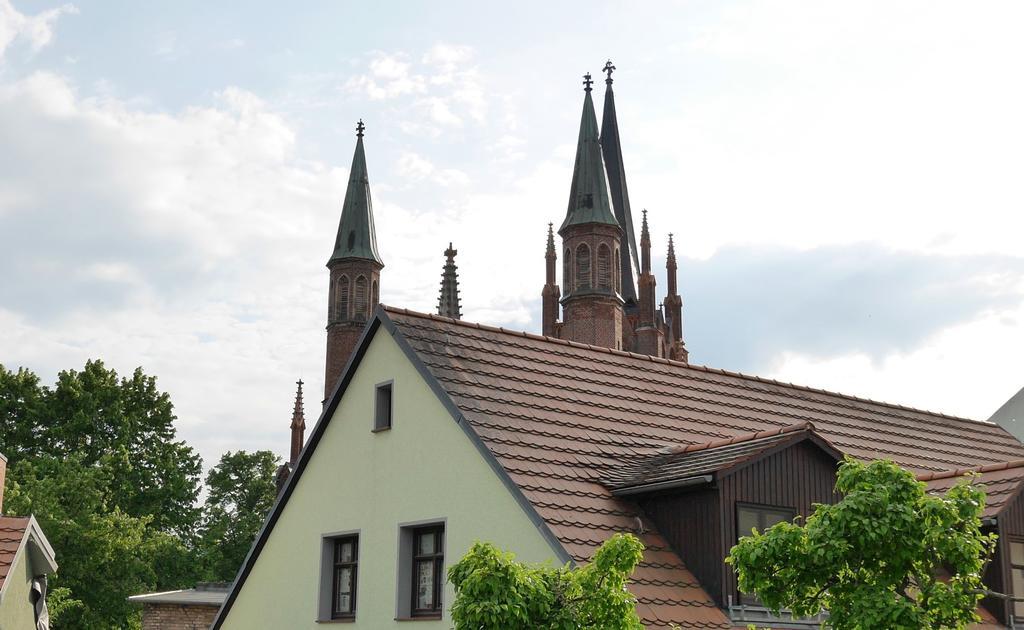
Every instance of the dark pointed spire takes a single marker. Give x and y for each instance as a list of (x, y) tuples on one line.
[(298, 426), (611, 149), (670, 266), (448, 303), (588, 196), (549, 253), (356, 236)]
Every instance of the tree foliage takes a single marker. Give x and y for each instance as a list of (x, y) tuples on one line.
[(96, 460), (888, 555), (494, 592), (241, 489)]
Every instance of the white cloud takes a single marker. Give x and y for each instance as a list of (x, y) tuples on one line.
[(968, 369), (35, 30), (416, 168), (442, 88)]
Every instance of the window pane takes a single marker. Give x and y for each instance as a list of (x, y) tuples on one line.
[(425, 585), (344, 593), (746, 520), (345, 552), (1017, 553), (773, 517), (426, 544)]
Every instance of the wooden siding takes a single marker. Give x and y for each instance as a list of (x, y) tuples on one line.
[(700, 525), (1010, 523), (794, 478), (689, 521)]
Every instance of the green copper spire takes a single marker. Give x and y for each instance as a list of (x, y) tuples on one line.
[(356, 236), (588, 197)]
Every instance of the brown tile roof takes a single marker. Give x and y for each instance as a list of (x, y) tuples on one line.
[(12, 532), (1001, 483), (559, 417)]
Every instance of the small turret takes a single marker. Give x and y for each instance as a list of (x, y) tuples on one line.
[(650, 338), (551, 292), (448, 302), (674, 308), (298, 426)]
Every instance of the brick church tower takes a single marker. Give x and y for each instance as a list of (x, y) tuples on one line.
[(591, 239), (608, 294), (355, 270)]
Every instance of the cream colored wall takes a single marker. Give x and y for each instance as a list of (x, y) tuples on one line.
[(15, 609), (425, 467)]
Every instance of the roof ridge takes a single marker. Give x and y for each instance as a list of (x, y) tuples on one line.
[(959, 472), (747, 437), (699, 368)]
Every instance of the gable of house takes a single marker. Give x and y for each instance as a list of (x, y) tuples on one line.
[(350, 479), (25, 555)]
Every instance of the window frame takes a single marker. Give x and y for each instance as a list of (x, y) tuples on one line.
[(761, 509), (336, 567), (378, 424), (437, 561), (405, 570), (326, 594), (1012, 566)]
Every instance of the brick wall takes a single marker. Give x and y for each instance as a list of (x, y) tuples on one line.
[(177, 616)]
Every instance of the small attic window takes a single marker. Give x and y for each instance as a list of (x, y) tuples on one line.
[(382, 407), (351, 239), (587, 200)]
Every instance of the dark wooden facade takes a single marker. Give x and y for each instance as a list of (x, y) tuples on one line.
[(700, 524), (1009, 527)]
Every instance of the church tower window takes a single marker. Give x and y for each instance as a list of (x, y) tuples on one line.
[(617, 273), (583, 278), (567, 270), (361, 297), (604, 268), (341, 307)]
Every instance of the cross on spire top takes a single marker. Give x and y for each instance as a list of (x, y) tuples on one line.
[(608, 69), (360, 127), (587, 82)]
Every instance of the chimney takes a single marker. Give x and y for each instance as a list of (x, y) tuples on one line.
[(3, 477)]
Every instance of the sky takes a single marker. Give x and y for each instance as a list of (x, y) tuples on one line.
[(843, 180)]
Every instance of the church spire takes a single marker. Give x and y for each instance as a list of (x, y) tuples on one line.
[(611, 150), (298, 426), (355, 269), (588, 194), (448, 302), (356, 237)]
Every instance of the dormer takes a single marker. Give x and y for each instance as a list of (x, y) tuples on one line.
[(703, 497)]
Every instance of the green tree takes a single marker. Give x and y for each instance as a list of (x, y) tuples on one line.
[(241, 489), (96, 459), (888, 555), (128, 424), (494, 592), (105, 555), (21, 413)]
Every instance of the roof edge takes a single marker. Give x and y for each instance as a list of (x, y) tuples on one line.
[(300, 466), (33, 534), (692, 366), (959, 472)]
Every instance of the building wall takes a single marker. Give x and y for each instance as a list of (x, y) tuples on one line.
[(177, 617), (690, 522), (16, 611), (997, 574), (425, 467)]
